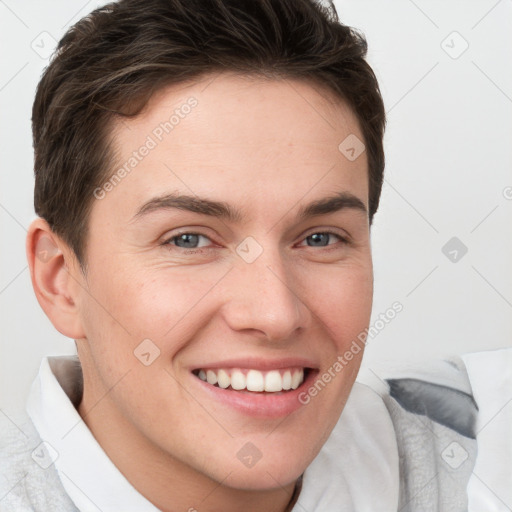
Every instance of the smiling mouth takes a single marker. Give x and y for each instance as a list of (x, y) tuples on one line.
[(254, 381)]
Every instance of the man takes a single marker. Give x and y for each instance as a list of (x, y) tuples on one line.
[(206, 178)]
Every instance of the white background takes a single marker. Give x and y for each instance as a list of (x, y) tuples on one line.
[(449, 161)]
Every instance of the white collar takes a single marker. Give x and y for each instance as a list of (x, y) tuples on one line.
[(89, 477), (356, 469)]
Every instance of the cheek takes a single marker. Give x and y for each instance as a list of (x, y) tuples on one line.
[(166, 301), (149, 301), (341, 299)]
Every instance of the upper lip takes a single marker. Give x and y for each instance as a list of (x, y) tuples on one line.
[(259, 364)]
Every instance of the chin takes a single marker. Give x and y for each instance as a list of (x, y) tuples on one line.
[(265, 476), (263, 463)]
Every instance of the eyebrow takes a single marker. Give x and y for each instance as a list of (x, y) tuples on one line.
[(225, 211)]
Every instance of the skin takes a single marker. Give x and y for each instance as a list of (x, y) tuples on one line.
[(266, 147)]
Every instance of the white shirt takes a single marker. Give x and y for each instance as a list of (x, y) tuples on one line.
[(356, 470)]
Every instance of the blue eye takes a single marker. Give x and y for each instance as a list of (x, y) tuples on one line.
[(321, 239), (195, 240), (188, 240)]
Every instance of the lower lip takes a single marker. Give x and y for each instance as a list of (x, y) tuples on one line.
[(262, 405)]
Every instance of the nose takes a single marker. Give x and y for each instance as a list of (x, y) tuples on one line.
[(262, 300)]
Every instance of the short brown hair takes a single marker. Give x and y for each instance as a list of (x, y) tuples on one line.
[(112, 61)]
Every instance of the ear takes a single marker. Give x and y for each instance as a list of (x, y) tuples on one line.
[(56, 278)]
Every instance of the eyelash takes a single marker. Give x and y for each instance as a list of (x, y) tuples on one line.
[(169, 241)]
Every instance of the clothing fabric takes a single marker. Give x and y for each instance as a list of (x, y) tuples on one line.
[(395, 447)]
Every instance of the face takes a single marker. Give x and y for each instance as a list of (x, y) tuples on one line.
[(232, 253)]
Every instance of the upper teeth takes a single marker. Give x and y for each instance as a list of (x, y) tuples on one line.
[(254, 380)]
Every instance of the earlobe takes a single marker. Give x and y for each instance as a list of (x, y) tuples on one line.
[(52, 264)]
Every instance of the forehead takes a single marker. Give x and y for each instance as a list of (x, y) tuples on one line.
[(230, 108), (237, 137)]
